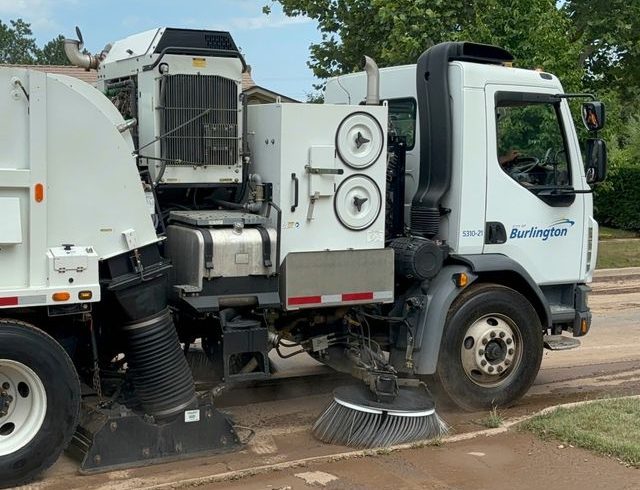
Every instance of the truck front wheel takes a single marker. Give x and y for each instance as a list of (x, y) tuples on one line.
[(491, 348), (39, 402)]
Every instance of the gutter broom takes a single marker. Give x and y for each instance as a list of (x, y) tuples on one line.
[(358, 418)]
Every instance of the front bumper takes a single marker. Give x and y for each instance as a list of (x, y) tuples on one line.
[(583, 316)]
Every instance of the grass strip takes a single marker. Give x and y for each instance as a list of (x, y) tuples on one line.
[(613, 254), (608, 427)]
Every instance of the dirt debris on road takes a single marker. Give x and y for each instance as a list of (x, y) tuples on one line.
[(510, 461)]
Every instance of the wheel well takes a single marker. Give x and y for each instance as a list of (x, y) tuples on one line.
[(515, 281), (65, 330)]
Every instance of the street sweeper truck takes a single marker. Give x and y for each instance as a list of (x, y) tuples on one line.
[(429, 227)]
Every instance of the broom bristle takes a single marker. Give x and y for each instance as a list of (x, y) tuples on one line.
[(366, 427)]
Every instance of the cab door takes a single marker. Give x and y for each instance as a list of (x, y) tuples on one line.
[(533, 214)]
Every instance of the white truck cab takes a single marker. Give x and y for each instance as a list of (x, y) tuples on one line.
[(493, 172), (497, 208), (536, 210)]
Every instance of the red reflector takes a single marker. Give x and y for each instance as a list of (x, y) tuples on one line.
[(305, 300), (9, 301), (357, 296)]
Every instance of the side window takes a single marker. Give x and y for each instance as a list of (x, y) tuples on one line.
[(531, 141), (402, 116)]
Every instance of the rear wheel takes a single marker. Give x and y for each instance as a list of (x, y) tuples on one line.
[(39, 402), (491, 348)]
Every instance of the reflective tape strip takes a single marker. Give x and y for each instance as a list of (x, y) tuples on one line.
[(357, 296), (383, 295), (327, 299), (304, 300), (23, 300), (32, 300), (331, 298), (11, 301)]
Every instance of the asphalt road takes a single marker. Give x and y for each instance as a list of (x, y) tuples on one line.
[(607, 363)]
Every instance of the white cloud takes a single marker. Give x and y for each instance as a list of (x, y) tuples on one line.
[(245, 6), (272, 21), (38, 13)]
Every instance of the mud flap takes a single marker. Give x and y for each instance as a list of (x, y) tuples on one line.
[(117, 438)]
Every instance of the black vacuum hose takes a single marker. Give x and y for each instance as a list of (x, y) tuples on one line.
[(159, 370)]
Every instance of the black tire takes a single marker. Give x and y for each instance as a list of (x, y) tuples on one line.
[(38, 351), (479, 302)]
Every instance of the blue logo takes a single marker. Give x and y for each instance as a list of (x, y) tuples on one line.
[(557, 229)]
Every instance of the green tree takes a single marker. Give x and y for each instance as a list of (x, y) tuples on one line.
[(52, 53), (17, 44), (534, 31), (346, 26), (398, 31), (609, 32)]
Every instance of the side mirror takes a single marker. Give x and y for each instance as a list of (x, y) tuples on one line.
[(596, 164), (593, 115)]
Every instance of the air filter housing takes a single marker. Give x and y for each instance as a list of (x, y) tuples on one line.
[(417, 258)]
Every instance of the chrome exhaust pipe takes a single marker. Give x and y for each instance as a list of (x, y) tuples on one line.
[(373, 81), (73, 50)]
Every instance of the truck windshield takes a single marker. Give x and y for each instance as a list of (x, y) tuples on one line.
[(531, 143)]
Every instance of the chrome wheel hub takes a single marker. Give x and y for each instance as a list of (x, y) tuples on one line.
[(491, 350), (23, 405)]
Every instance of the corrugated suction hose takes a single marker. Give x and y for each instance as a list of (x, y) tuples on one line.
[(159, 370)]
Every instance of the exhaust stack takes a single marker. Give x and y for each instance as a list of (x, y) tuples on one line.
[(373, 81), (73, 49)]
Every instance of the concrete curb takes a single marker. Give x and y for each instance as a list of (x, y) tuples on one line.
[(624, 273), (258, 470), (604, 291), (616, 281)]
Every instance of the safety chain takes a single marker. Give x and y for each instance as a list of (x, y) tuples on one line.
[(97, 386)]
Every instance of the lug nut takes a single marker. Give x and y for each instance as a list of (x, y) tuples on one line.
[(500, 369), (481, 352), (502, 335), (511, 352), (483, 363), (507, 362), (509, 341), (6, 386), (492, 334), (484, 341), (490, 369)]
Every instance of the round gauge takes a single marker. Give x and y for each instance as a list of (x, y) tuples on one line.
[(358, 202), (359, 140)]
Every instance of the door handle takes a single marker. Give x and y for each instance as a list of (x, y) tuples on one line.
[(324, 171), (495, 233), (296, 188)]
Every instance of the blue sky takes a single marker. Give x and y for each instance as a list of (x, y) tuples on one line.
[(276, 47)]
